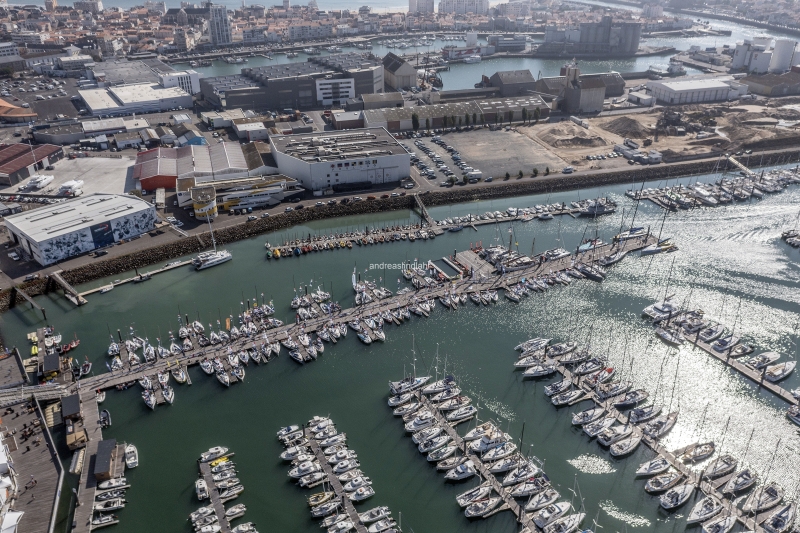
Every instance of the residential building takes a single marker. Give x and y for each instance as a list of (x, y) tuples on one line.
[(462, 7), (188, 80), (420, 6), (92, 6), (219, 25), (304, 31), (29, 37), (9, 49)]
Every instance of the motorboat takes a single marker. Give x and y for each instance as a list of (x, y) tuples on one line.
[(287, 430), (663, 482), (763, 498), (566, 524), (374, 515), (478, 432), (662, 310), (361, 494), (342, 455), (676, 496), (304, 468), (542, 499), (131, 456), (454, 403), (238, 511), (482, 507), (110, 494), (109, 505), (201, 513), (246, 527), (704, 510), (356, 483), (721, 466), (626, 445), (325, 509), (115, 483), (721, 524), (231, 492), (462, 413), (149, 398), (201, 489), (424, 419), (345, 466), (382, 525), (311, 479), (698, 452), (461, 472), (659, 465), (471, 496), (782, 519), (550, 514), (779, 371)]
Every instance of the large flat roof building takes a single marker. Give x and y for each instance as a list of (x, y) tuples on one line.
[(135, 98), (20, 161), (296, 85), (59, 231), (341, 161), (694, 91)]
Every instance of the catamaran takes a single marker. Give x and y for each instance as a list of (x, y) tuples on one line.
[(209, 259)]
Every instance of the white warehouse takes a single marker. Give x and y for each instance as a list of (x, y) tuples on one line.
[(343, 160), (60, 231), (696, 90), (135, 98)]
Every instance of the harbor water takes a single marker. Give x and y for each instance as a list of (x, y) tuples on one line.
[(731, 263)]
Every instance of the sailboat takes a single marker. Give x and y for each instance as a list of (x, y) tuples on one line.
[(209, 259)]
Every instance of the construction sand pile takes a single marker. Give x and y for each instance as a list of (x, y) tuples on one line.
[(628, 127), (569, 134)]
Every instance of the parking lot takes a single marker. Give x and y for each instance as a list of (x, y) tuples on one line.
[(47, 97)]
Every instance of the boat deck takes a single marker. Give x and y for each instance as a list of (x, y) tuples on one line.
[(87, 486), (216, 501), (334, 483)]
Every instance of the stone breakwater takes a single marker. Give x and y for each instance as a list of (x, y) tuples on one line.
[(504, 189)]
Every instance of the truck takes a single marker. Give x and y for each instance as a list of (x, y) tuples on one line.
[(630, 143), (580, 121), (474, 176)]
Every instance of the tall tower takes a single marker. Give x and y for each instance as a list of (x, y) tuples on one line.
[(219, 25), (50, 5), (287, 4)]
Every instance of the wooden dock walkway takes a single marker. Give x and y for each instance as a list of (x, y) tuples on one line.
[(509, 503), (82, 517), (70, 292), (216, 502), (334, 482), (113, 284)]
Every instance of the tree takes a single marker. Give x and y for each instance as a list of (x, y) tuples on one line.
[(482, 119), (535, 172), (464, 179), (508, 176), (427, 123), (537, 114), (546, 171), (475, 118), (520, 174), (524, 114), (452, 121), (459, 122), (466, 119), (415, 121), (510, 116)]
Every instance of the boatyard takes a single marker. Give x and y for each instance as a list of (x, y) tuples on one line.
[(590, 252)]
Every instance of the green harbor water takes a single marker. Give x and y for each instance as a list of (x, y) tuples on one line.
[(731, 263)]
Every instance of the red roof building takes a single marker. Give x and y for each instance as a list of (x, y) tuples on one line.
[(20, 161)]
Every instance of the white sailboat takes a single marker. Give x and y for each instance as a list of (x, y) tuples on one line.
[(210, 259)]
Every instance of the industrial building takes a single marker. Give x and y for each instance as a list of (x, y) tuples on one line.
[(398, 72), (295, 85), (696, 91), (755, 55), (341, 161), (581, 93), (59, 231), (208, 198), (513, 82), (73, 133), (604, 38), (787, 84), (134, 98), (21, 161)]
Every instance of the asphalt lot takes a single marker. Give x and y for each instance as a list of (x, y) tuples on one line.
[(99, 174), (52, 105)]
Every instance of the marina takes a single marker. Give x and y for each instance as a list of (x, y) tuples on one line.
[(479, 269)]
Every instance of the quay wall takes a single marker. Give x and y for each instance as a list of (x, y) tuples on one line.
[(505, 189)]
